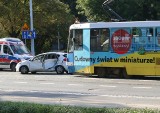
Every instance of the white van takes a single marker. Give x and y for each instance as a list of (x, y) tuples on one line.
[(12, 51)]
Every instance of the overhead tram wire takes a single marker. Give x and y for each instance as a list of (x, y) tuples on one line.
[(106, 7)]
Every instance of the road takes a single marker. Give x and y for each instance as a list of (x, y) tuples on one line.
[(78, 90)]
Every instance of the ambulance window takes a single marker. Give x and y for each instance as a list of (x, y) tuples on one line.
[(7, 50)]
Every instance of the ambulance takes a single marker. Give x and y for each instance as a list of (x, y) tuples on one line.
[(12, 51)]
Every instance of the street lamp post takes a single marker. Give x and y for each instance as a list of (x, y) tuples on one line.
[(31, 24), (58, 37)]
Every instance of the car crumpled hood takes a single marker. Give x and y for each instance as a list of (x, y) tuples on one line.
[(23, 56)]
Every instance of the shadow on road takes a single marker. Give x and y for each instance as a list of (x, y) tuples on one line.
[(46, 73), (66, 98), (133, 78), (5, 70)]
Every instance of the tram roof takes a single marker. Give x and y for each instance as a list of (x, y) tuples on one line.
[(116, 24)]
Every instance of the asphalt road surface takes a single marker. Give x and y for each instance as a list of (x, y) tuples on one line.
[(79, 90)]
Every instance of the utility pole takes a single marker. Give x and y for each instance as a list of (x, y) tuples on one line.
[(31, 24), (58, 41), (58, 38)]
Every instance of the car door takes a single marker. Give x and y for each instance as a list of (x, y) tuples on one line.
[(0, 54), (37, 63), (50, 61), (7, 55)]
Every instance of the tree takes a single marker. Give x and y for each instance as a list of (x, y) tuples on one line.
[(128, 9), (89, 9), (51, 18), (12, 14), (47, 15), (72, 5)]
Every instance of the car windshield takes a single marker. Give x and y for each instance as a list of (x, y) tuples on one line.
[(19, 49)]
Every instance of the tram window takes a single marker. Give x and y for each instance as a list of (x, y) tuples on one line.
[(149, 31), (99, 40), (143, 37), (78, 39), (70, 42), (94, 36), (157, 37), (158, 32), (136, 32)]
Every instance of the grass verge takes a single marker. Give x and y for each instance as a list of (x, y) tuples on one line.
[(23, 107)]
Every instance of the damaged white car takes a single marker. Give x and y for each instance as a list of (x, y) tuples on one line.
[(45, 62)]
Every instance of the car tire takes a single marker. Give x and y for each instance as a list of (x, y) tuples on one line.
[(60, 69), (33, 72), (66, 72), (24, 70), (13, 67)]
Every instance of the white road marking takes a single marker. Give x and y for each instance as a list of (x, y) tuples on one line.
[(90, 78), (142, 87), (121, 82), (47, 83), (74, 84), (21, 82), (108, 86), (144, 80), (11, 90), (131, 96)]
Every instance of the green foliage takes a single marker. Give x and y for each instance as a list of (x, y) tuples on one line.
[(47, 15), (12, 14), (72, 5), (89, 9), (127, 9), (21, 107)]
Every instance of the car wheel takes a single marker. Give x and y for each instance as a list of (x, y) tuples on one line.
[(13, 67), (60, 69), (66, 72), (33, 72), (24, 70)]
